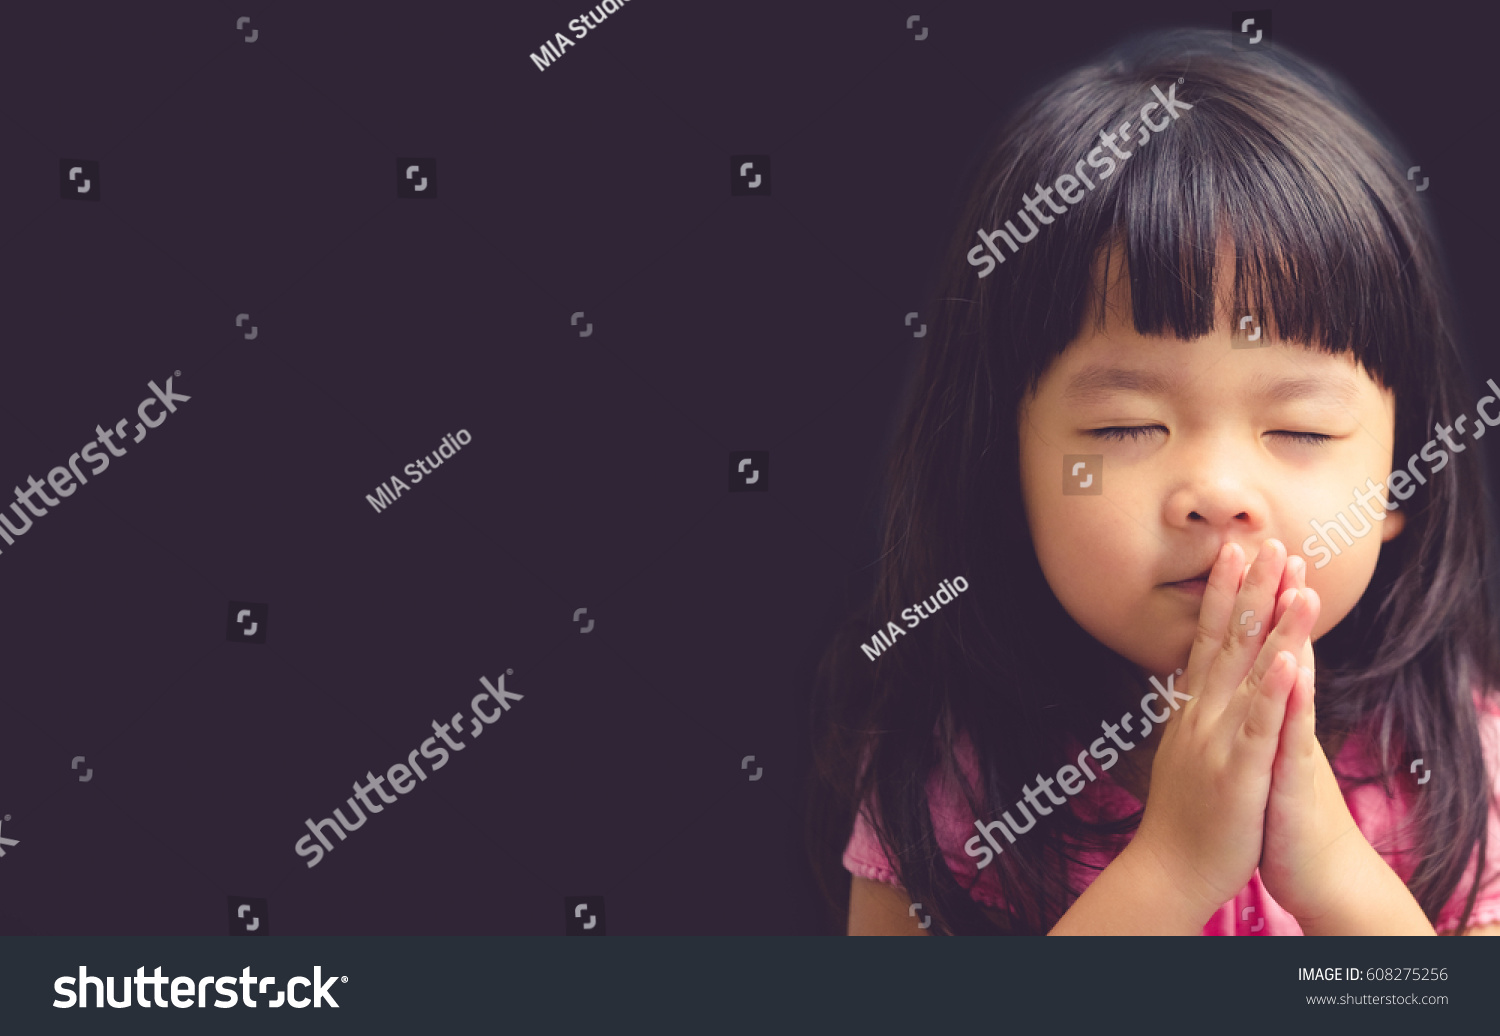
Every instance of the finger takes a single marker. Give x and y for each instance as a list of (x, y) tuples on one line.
[(1294, 577), (1283, 599), (1213, 613), (1298, 736), (1250, 617), (1297, 566), (1258, 734), (1306, 656), (1290, 635)]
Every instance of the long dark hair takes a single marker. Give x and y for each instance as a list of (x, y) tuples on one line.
[(1336, 251)]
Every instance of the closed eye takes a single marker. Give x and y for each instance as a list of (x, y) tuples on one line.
[(1133, 432), (1137, 432)]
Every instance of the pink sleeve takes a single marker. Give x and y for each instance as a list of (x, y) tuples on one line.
[(953, 823), (863, 855)]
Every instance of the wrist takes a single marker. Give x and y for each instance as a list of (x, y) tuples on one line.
[(1370, 900), (1178, 894), (1134, 895)]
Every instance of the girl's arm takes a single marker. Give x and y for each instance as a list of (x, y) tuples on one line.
[(1137, 894), (1373, 901), (876, 908), (1132, 896)]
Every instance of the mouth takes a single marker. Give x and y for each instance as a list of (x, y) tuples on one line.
[(1192, 585)]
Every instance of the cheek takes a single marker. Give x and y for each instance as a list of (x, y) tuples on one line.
[(1085, 547), (1344, 576), (1342, 581)]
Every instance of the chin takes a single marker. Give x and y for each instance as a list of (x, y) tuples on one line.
[(1163, 660)]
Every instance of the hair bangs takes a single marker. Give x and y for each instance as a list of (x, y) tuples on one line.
[(1322, 234)]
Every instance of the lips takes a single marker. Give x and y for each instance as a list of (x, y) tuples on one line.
[(1202, 576), (1196, 585), (1193, 587)]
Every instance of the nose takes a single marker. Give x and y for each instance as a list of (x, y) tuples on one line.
[(1214, 489)]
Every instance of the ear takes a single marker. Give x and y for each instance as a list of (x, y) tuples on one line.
[(1394, 522)]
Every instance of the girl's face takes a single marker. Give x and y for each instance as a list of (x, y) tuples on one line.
[(1212, 461)]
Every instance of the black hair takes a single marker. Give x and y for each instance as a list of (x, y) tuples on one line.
[(1333, 250)]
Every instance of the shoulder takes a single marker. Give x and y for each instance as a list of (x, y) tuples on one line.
[(1387, 821), (1379, 814), (952, 822), (965, 850)]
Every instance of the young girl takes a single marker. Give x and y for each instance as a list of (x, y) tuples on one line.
[(1100, 688)]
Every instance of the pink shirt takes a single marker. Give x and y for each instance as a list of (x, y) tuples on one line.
[(1253, 911)]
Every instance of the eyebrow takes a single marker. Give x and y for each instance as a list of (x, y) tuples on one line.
[(1097, 383)]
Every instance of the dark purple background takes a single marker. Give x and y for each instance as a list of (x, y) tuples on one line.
[(259, 178)]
